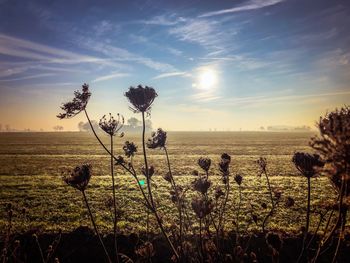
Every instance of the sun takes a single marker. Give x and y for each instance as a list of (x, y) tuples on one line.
[(207, 79)]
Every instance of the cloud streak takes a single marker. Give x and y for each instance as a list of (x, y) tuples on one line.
[(111, 76), (170, 74), (250, 5)]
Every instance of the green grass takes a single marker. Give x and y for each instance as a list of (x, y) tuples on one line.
[(31, 165)]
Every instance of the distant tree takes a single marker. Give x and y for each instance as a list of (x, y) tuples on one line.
[(262, 128), (85, 126), (58, 128), (133, 122), (7, 127)]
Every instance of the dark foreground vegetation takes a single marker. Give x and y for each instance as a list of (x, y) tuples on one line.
[(202, 230)]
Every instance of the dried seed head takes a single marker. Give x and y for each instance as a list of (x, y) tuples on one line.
[(112, 125), (120, 160), (238, 179), (129, 149), (141, 98), (149, 173), (201, 185), (77, 105), (202, 206), (204, 163), (333, 145), (79, 177), (158, 139), (262, 163), (167, 177), (306, 163), (219, 193)]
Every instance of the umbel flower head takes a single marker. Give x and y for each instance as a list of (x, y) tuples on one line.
[(202, 206), (201, 185), (80, 176), (224, 167), (129, 149), (204, 163), (141, 98), (158, 139), (333, 145), (78, 104), (307, 163), (112, 126), (238, 179)]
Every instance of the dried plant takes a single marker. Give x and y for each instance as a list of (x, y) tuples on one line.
[(112, 126), (141, 98), (77, 105), (307, 164), (79, 178), (333, 144)]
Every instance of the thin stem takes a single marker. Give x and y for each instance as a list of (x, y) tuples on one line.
[(307, 218), (179, 202), (114, 204), (40, 250), (95, 227), (238, 212), (269, 186), (134, 175)]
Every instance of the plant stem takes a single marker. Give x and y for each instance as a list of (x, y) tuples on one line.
[(238, 212), (95, 227), (114, 204), (134, 175), (179, 202)]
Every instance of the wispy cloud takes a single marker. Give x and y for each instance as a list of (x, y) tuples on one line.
[(16, 47), (247, 101), (163, 20), (29, 77), (170, 74), (206, 33), (119, 54), (111, 76), (249, 5)]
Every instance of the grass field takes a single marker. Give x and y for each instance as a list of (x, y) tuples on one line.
[(31, 166)]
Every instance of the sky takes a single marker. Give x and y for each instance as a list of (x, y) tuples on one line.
[(224, 65)]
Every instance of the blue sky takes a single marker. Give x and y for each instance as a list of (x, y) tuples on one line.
[(215, 64)]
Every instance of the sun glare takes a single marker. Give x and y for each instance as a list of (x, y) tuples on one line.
[(207, 79)]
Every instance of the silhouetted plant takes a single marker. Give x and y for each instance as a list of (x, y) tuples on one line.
[(333, 144), (112, 126), (79, 178), (77, 105), (307, 165), (262, 165)]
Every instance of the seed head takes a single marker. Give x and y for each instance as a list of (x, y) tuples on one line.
[(141, 98), (202, 206), (306, 163), (78, 104), (158, 139), (333, 145), (80, 176), (129, 149), (201, 185), (112, 126), (238, 179), (204, 163), (219, 193), (150, 171), (262, 163)]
